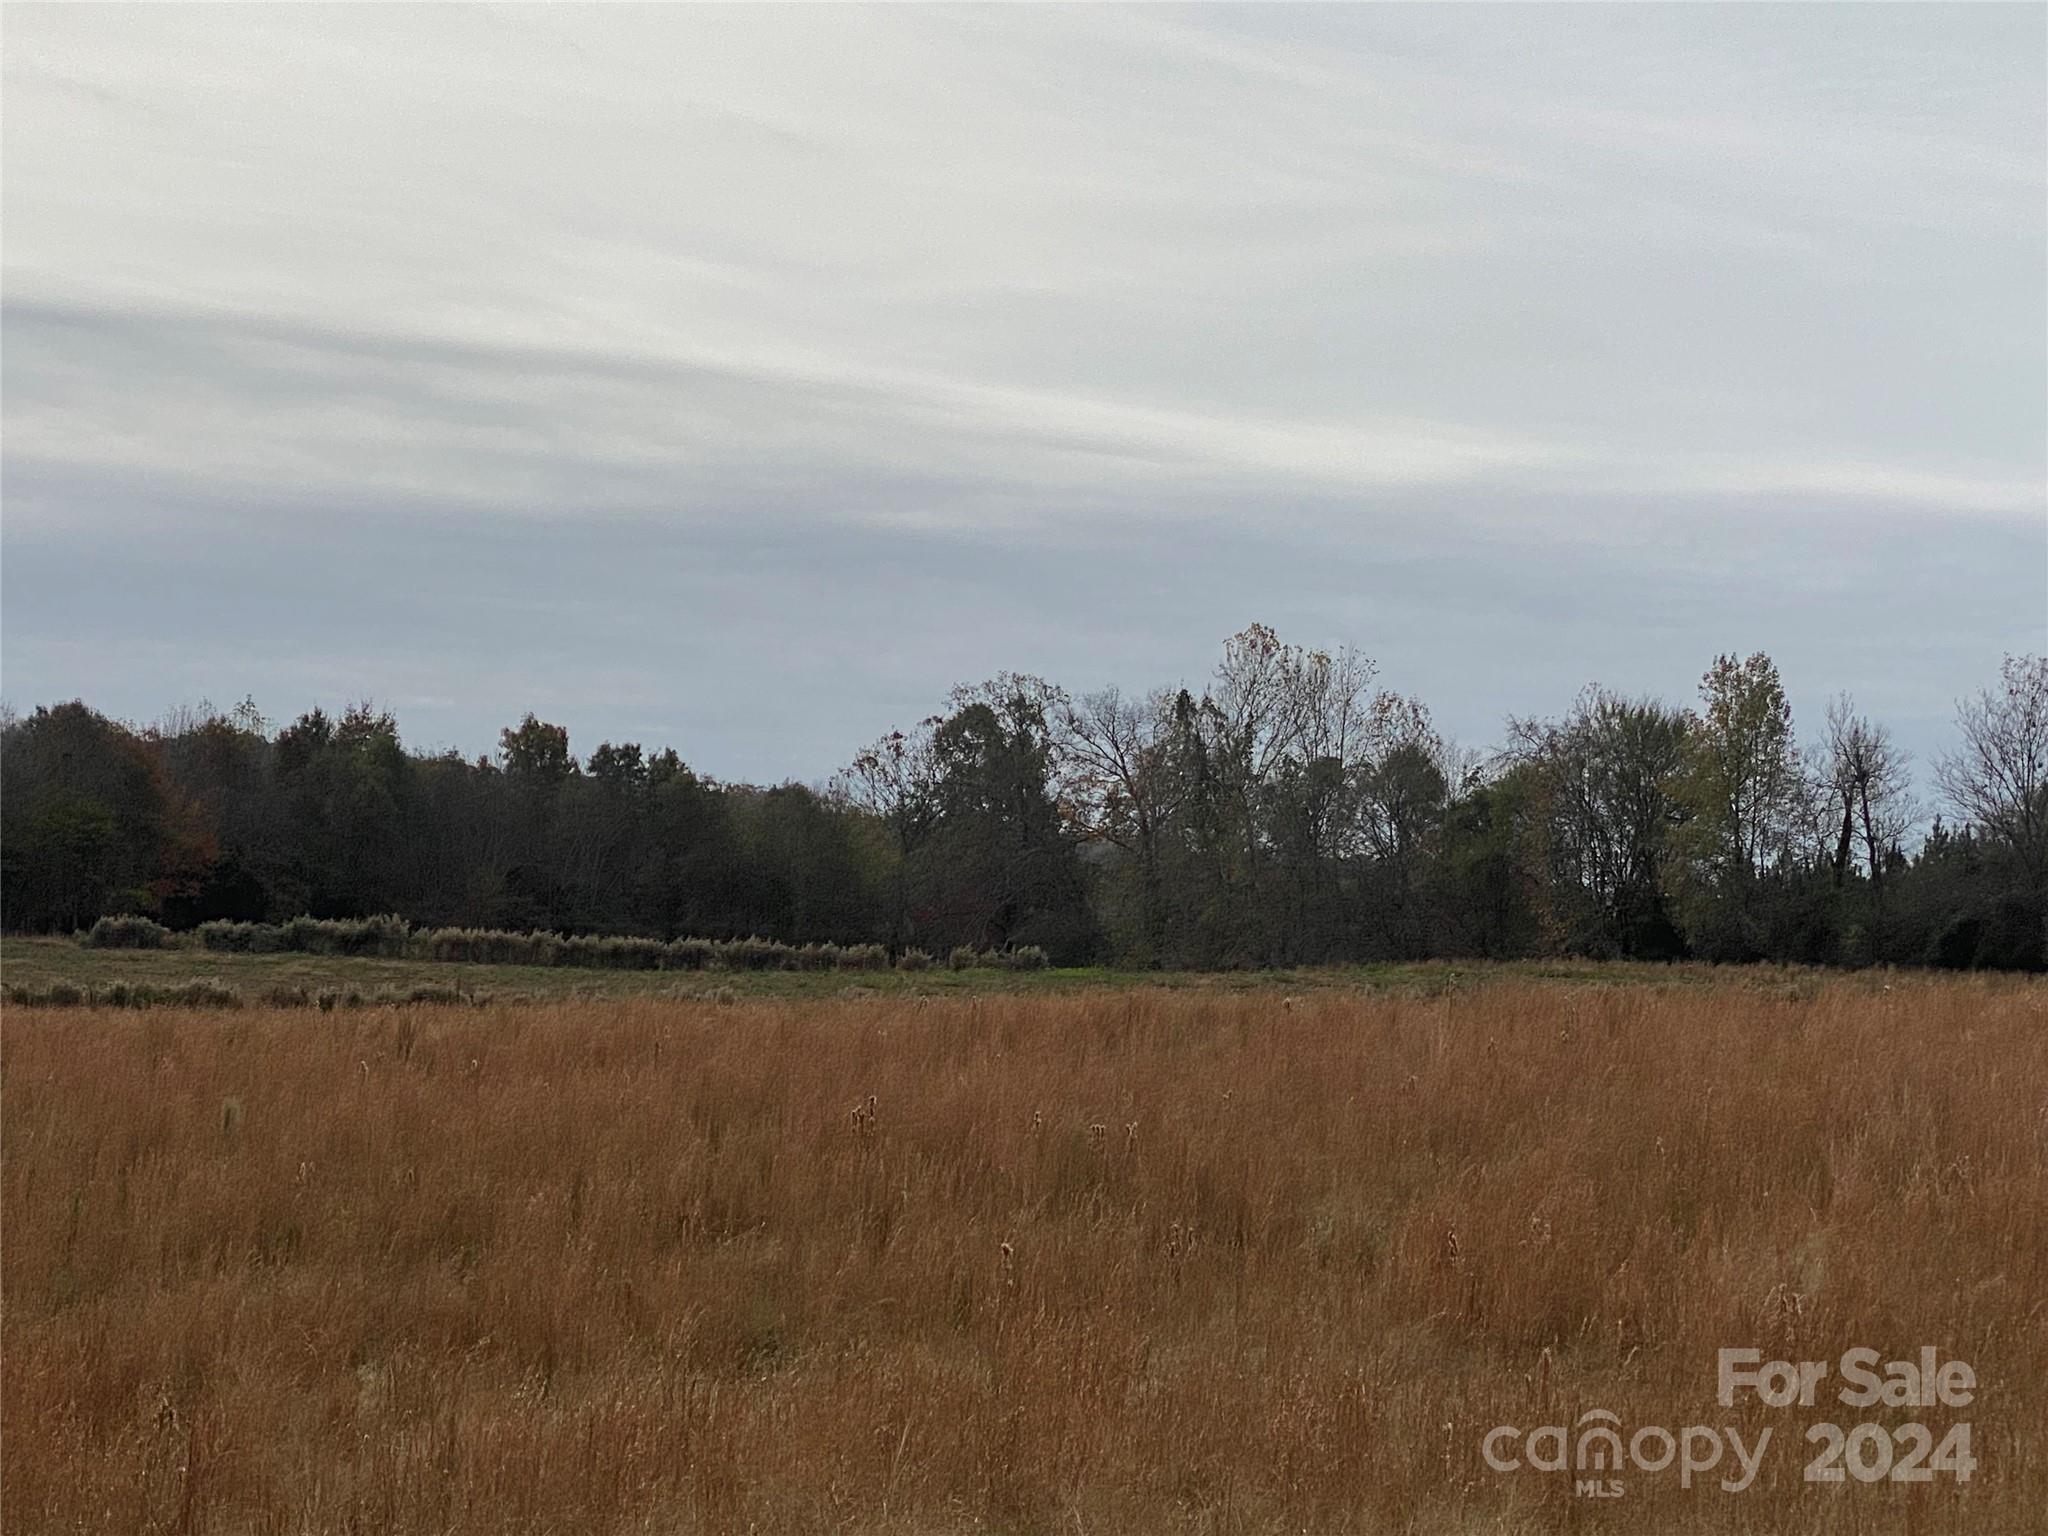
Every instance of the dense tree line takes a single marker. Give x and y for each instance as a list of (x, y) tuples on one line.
[(1291, 812)]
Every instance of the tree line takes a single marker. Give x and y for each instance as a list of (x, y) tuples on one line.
[(1291, 812)]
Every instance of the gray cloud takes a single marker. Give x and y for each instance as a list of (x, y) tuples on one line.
[(743, 377)]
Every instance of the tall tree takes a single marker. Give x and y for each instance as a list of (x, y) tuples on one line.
[(1744, 804), (535, 752), (1998, 777), (1599, 783), (1121, 786), (895, 780), (1865, 785), (1003, 868), (1403, 792), (85, 824)]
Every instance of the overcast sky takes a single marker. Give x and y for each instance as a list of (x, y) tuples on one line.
[(739, 379)]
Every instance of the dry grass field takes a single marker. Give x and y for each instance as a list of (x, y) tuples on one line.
[(1097, 1262)]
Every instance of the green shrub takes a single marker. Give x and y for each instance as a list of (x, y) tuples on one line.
[(963, 958), (753, 954), (453, 946), (633, 954), (494, 946), (689, 955), (431, 993), (863, 957), (128, 932), (914, 960), (387, 935), (540, 948), (309, 935), (392, 937), (599, 952), (544, 948), (813, 957), (240, 938), (201, 992)]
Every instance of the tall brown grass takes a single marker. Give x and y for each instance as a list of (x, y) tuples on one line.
[(1115, 1262)]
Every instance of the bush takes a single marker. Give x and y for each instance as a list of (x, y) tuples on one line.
[(1027, 957), (497, 946), (129, 932), (753, 954), (813, 957), (199, 993), (310, 935), (240, 938), (631, 954), (1955, 947), (435, 995), (2012, 937), (689, 955), (449, 946), (596, 953), (492, 946), (202, 993), (963, 958), (391, 936), (387, 935), (579, 952)]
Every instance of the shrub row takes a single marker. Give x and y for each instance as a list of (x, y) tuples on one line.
[(388, 936), (392, 937), (127, 933), (485, 946), (206, 993)]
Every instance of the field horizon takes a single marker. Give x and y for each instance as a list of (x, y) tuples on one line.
[(34, 963)]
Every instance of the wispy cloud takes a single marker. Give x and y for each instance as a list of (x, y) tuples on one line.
[(1669, 292)]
